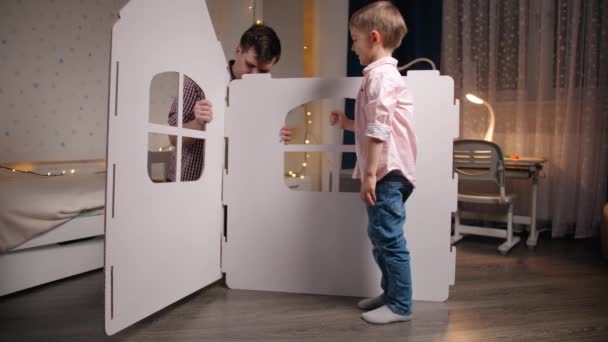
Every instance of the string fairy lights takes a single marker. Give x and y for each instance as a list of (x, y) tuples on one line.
[(42, 174), (254, 8), (167, 148), (308, 117)]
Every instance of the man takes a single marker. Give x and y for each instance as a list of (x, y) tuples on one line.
[(258, 51)]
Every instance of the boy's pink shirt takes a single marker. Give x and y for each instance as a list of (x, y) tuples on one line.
[(384, 110)]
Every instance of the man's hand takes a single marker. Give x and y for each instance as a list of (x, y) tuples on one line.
[(285, 135), (368, 190), (203, 112)]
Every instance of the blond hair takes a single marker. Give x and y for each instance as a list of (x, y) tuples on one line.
[(383, 17)]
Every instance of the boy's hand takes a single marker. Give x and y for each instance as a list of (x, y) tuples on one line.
[(203, 112), (368, 190), (345, 123), (337, 115), (285, 135)]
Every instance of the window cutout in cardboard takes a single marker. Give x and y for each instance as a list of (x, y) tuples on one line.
[(160, 157), (163, 93)]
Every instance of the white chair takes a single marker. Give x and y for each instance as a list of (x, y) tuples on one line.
[(480, 160)]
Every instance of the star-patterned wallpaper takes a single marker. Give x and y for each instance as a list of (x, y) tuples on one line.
[(54, 67)]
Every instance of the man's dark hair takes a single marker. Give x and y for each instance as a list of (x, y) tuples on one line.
[(264, 42)]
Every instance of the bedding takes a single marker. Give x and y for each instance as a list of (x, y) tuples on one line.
[(31, 205)]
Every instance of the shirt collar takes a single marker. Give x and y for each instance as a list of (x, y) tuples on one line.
[(381, 61)]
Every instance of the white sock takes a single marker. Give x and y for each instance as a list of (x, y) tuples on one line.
[(371, 303), (384, 315)]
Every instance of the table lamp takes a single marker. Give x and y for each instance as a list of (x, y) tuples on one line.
[(477, 100), (421, 59)]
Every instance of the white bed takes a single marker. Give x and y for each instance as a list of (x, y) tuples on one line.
[(50, 227)]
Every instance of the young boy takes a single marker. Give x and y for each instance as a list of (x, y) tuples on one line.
[(386, 153)]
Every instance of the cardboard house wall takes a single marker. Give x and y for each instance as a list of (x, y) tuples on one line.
[(165, 240)]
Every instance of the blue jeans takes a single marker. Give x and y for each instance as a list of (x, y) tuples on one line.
[(385, 229)]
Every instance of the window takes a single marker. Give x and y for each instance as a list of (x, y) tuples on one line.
[(168, 133), (314, 159)]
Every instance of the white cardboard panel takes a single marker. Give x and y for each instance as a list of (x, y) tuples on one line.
[(310, 242), (162, 240)]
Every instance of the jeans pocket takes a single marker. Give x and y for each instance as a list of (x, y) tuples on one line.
[(390, 199), (395, 208)]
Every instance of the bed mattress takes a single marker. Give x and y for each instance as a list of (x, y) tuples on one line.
[(31, 205)]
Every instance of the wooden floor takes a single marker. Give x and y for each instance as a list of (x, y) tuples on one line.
[(557, 293)]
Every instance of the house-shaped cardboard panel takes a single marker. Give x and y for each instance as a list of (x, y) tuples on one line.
[(162, 239)]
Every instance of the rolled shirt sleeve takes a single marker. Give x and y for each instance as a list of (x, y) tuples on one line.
[(382, 95)]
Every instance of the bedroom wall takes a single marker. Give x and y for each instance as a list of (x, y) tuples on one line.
[(232, 17), (54, 66)]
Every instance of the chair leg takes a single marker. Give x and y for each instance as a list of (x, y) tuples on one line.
[(510, 224), (511, 240), (457, 236)]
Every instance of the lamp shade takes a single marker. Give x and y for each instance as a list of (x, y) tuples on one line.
[(474, 99)]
